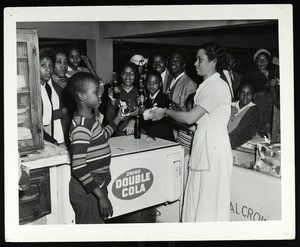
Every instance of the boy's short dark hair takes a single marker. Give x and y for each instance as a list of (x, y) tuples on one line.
[(158, 54), (78, 83), (47, 52), (73, 47), (252, 88), (154, 72), (181, 52)]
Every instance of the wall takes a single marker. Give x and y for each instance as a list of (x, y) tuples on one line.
[(62, 30), (99, 36), (98, 50), (131, 28), (246, 41)]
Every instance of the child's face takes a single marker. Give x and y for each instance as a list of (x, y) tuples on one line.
[(46, 69), (74, 59), (92, 94), (61, 64), (245, 96), (128, 76), (153, 84)]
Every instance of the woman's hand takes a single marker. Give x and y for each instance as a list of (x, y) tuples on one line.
[(105, 207), (158, 113), (130, 127)]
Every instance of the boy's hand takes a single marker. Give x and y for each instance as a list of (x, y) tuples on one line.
[(135, 112), (105, 207), (65, 110), (110, 96), (120, 115), (86, 60), (130, 127)]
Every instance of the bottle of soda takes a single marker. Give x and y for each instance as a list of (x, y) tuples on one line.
[(144, 74), (137, 128), (142, 95), (115, 87)]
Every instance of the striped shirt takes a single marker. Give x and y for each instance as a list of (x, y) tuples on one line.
[(185, 139), (90, 150)]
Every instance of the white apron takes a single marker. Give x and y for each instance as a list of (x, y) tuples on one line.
[(207, 195)]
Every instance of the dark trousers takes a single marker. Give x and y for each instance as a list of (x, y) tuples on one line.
[(85, 205)]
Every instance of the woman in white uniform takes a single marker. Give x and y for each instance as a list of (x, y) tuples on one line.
[(207, 195)]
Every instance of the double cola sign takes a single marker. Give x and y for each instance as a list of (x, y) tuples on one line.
[(132, 183)]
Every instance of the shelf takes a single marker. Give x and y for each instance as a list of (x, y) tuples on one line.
[(23, 91)]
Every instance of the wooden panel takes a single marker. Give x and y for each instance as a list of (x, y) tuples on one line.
[(28, 69), (265, 102), (275, 135), (35, 202)]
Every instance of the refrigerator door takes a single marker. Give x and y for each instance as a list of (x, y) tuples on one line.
[(144, 179)]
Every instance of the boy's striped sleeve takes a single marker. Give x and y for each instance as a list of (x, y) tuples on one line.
[(81, 137)]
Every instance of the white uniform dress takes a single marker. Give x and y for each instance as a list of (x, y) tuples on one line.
[(207, 195)]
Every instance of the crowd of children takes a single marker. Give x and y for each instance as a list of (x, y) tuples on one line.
[(72, 94)]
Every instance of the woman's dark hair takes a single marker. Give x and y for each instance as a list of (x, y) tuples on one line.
[(131, 65), (215, 51), (60, 50), (47, 52), (154, 72)]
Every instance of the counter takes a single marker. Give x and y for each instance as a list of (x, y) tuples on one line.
[(255, 196), (145, 172), (57, 160)]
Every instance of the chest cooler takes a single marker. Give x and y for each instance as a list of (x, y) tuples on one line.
[(144, 173)]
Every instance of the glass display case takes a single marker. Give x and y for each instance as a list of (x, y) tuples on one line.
[(30, 134)]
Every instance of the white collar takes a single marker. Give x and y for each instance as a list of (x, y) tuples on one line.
[(176, 79), (70, 69), (127, 90), (163, 74), (179, 76), (211, 78), (237, 106), (154, 96)]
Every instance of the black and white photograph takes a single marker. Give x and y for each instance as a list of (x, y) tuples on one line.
[(133, 123)]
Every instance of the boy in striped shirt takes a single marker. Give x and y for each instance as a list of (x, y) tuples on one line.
[(90, 152)]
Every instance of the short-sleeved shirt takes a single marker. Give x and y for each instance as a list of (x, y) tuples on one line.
[(214, 96), (211, 142)]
